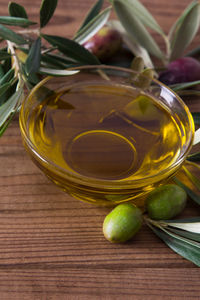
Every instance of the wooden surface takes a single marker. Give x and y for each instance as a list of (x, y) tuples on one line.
[(51, 245)]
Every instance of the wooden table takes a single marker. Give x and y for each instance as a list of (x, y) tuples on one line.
[(51, 245)]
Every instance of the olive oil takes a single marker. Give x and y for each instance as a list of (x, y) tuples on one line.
[(104, 132)]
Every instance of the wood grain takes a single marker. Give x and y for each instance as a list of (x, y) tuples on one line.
[(51, 245)]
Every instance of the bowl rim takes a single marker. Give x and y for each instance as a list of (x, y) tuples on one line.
[(103, 183)]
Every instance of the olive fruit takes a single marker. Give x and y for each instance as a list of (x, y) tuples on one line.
[(122, 223), (105, 43), (185, 69), (165, 202)]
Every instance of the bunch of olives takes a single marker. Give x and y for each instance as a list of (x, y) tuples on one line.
[(125, 220)]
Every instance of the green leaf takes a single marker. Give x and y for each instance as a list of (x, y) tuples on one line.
[(192, 226), (194, 156), (17, 10), (135, 28), (8, 34), (186, 234), (185, 29), (196, 117), (192, 177), (7, 77), (32, 63), (92, 27), (134, 47), (3, 88), (10, 106), (191, 194), (4, 55), (182, 246), (15, 21), (95, 10), (138, 10), (47, 9), (55, 72), (185, 85), (49, 61), (72, 49)]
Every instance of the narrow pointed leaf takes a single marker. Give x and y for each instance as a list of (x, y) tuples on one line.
[(196, 137), (7, 77), (93, 26), (194, 157), (8, 34), (188, 226), (17, 10), (185, 85), (94, 11), (178, 22), (55, 72), (15, 21), (47, 9), (4, 55), (192, 177), (32, 63), (186, 250), (72, 49), (10, 106), (187, 234), (3, 88), (138, 9), (191, 194), (196, 117), (134, 47), (135, 28), (185, 31)]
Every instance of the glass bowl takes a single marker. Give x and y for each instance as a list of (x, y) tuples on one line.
[(105, 134)]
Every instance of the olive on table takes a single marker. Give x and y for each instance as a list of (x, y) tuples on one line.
[(165, 202), (122, 223)]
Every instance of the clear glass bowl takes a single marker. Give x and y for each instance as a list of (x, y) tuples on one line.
[(105, 134)]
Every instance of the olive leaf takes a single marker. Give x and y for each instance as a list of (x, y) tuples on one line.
[(196, 117), (135, 28), (183, 246), (191, 193), (32, 63), (94, 11), (194, 156), (180, 86), (15, 21), (192, 177), (71, 49), (196, 137), (4, 55), (47, 9), (51, 60), (190, 224), (184, 30), (93, 26), (17, 10), (10, 106), (187, 234), (138, 9), (7, 77), (54, 72), (134, 47), (8, 34)]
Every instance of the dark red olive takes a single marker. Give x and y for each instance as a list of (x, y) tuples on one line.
[(105, 43), (185, 69)]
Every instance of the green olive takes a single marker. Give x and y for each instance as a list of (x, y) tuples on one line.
[(165, 202), (122, 223)]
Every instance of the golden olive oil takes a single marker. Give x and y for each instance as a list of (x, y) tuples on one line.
[(104, 132)]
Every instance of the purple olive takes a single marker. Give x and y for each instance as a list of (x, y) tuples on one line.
[(185, 69), (105, 43)]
